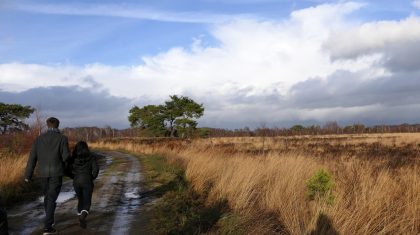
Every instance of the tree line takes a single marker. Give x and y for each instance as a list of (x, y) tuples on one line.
[(176, 117), (326, 129)]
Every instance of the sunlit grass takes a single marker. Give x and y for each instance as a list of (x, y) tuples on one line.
[(11, 175), (372, 195)]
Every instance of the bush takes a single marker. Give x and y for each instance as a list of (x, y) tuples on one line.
[(320, 187)]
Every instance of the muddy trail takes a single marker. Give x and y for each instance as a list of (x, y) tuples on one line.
[(116, 204)]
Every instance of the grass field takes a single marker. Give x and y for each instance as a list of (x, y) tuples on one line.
[(374, 186)]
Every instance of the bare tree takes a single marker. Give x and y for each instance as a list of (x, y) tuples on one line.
[(38, 123), (263, 132)]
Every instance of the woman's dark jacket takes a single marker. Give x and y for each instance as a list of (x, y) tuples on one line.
[(83, 169)]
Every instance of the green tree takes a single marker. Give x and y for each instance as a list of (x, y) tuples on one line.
[(180, 113), (12, 117), (150, 117), (320, 187), (204, 132), (359, 128), (173, 110), (177, 115), (314, 129), (297, 128), (348, 129)]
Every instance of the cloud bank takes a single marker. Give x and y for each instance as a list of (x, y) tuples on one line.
[(318, 65), (73, 105)]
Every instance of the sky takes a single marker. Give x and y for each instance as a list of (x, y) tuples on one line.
[(249, 62)]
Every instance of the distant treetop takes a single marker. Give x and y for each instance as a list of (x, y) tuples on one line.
[(176, 117), (12, 117)]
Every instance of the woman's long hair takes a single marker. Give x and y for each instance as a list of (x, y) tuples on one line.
[(81, 150)]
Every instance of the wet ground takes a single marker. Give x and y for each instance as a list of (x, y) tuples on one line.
[(116, 204)]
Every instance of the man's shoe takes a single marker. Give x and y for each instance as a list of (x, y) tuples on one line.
[(82, 218), (48, 231)]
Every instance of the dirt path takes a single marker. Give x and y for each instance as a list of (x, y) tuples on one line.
[(115, 204)]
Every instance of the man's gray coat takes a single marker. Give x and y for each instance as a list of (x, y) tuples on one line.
[(50, 150)]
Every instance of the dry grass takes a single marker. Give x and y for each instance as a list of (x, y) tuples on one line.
[(11, 175), (12, 169), (14, 150), (372, 196)]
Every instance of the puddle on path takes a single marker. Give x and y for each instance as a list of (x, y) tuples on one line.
[(130, 201), (108, 160), (62, 197), (132, 195)]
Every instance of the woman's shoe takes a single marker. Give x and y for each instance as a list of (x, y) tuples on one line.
[(82, 218), (48, 231)]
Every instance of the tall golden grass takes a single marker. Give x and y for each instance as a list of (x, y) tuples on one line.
[(11, 174), (14, 148), (369, 197)]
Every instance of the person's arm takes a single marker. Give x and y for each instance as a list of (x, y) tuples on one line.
[(65, 150), (95, 167), (32, 160), (68, 170)]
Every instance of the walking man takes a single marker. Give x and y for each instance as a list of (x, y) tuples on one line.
[(50, 150)]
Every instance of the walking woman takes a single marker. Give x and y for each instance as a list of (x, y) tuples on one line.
[(84, 169)]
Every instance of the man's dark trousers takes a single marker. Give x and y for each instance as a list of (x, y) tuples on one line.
[(3, 222), (51, 187), (3, 219)]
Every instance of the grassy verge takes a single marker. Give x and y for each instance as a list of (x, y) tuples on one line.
[(178, 208), (12, 186)]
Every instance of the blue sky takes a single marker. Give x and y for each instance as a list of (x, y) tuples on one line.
[(108, 39), (236, 57), (32, 36)]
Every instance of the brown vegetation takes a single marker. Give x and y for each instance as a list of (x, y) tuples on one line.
[(13, 155), (11, 175), (376, 178)]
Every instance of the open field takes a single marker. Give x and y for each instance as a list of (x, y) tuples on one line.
[(375, 178)]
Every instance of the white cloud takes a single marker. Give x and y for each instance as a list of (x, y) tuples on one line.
[(250, 53), (373, 37), (253, 73), (125, 11)]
